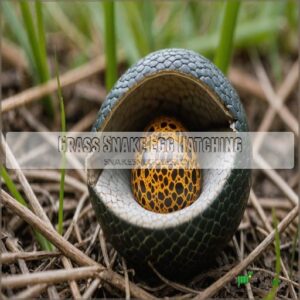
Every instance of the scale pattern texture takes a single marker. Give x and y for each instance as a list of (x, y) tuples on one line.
[(179, 250)]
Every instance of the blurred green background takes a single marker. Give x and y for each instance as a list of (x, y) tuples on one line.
[(78, 27)]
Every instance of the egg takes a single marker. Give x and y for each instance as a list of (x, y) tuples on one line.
[(165, 184)]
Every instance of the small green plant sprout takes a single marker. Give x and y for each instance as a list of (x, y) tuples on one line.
[(275, 282), (244, 279)]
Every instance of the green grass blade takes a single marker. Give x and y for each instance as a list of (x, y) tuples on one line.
[(11, 187), (136, 25), (272, 294), (246, 35), (18, 33), (30, 30), (195, 12), (148, 13), (277, 245), (45, 74), (274, 58), (97, 16), (294, 246), (164, 35), (63, 170), (40, 24), (224, 50), (68, 27), (110, 44), (292, 13), (126, 37), (38, 49), (44, 243)]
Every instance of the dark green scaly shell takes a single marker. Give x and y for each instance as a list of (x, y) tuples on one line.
[(185, 247)]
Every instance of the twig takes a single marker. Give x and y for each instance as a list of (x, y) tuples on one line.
[(95, 283), (217, 285), (294, 181), (31, 292), (50, 277), (93, 241), (68, 28), (274, 100), (85, 123), (127, 291), (28, 116), (240, 256), (245, 82), (55, 176), (76, 215), (243, 226), (104, 249), (283, 93), (48, 231), (73, 285), (273, 274), (268, 226), (277, 179), (32, 199), (38, 92), (89, 92), (12, 257), (12, 247), (23, 266), (279, 203), (91, 289), (68, 249), (13, 54), (77, 233)]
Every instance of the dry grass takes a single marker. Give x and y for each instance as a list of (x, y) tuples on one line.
[(84, 265)]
